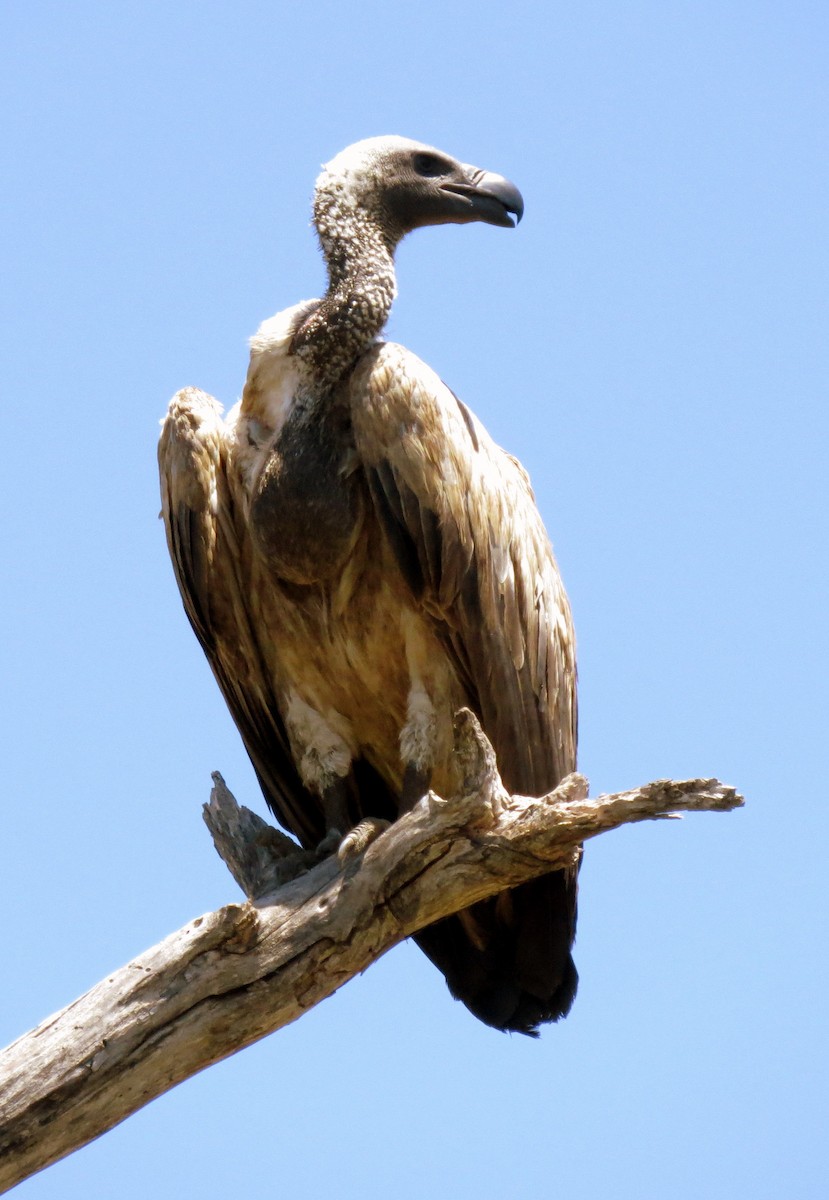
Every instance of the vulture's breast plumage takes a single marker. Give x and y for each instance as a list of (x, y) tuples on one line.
[(306, 511)]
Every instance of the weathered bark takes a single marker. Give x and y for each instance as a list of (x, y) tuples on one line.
[(232, 976)]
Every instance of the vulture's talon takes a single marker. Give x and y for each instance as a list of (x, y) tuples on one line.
[(360, 838)]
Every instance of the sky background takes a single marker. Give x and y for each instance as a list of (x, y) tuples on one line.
[(652, 344)]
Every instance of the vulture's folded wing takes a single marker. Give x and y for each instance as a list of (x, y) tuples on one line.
[(208, 546), (469, 540)]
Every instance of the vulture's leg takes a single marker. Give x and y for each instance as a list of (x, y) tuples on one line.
[(416, 782), (334, 799)]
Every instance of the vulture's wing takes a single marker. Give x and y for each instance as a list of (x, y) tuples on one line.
[(211, 559), (468, 537)]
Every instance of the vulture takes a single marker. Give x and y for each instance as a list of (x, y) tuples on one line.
[(359, 560)]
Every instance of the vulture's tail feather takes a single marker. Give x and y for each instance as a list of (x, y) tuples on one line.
[(508, 959)]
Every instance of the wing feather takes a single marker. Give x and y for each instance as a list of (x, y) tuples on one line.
[(207, 546), (461, 517)]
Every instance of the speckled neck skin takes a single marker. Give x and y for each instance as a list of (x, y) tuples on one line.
[(358, 246)]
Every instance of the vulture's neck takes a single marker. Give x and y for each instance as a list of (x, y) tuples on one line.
[(359, 255)]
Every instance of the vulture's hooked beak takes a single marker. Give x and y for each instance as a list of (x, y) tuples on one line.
[(491, 197)]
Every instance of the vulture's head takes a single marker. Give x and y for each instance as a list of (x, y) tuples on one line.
[(401, 185)]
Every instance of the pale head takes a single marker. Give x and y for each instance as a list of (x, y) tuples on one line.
[(400, 185)]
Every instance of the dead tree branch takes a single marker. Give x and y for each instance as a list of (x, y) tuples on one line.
[(230, 977)]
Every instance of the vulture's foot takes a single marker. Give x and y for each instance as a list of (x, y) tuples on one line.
[(287, 860), (294, 865), (330, 844), (360, 838)]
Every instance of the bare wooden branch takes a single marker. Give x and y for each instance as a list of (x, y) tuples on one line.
[(230, 977)]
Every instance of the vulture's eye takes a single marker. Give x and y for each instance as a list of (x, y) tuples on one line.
[(429, 165)]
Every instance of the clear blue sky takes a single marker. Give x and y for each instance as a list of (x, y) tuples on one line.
[(652, 344)]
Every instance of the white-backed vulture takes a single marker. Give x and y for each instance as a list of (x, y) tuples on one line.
[(359, 560)]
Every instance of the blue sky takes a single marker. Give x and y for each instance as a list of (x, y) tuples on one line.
[(652, 344)]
